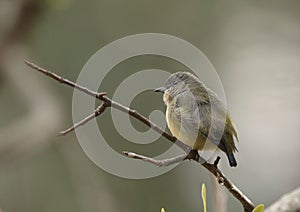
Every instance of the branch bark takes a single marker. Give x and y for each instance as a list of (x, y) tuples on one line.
[(107, 102), (96, 113)]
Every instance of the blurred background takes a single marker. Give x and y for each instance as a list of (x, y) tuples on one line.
[(254, 46)]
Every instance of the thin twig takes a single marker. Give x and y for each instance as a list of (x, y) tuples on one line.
[(100, 109), (213, 168), (159, 163), (63, 80)]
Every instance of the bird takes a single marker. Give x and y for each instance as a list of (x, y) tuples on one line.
[(196, 116)]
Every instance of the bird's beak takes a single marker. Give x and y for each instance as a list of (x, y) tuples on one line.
[(161, 89)]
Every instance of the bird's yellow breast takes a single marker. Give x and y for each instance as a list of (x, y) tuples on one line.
[(178, 128), (172, 122)]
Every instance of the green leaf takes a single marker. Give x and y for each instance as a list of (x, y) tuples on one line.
[(259, 208), (203, 193)]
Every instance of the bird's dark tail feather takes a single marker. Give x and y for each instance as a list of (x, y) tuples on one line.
[(231, 159)]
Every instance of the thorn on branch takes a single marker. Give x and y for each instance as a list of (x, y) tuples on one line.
[(217, 161)]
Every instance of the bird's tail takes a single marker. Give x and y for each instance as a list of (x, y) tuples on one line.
[(231, 159), (232, 162)]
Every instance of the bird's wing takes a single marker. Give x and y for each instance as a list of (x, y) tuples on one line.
[(205, 117)]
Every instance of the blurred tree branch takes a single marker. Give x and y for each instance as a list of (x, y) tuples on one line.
[(20, 137), (189, 154), (12, 47), (288, 202), (220, 199)]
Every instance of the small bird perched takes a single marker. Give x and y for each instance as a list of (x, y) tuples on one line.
[(195, 115)]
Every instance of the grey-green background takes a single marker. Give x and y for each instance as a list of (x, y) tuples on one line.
[(254, 46)]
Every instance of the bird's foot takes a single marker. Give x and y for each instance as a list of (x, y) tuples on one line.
[(193, 155)]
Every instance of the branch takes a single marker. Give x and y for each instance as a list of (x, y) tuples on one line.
[(190, 154), (96, 113), (19, 21), (159, 163), (102, 96), (288, 202)]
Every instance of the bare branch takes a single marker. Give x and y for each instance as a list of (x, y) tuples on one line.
[(100, 109), (190, 154), (63, 80), (213, 168), (288, 202), (246, 202), (159, 163)]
